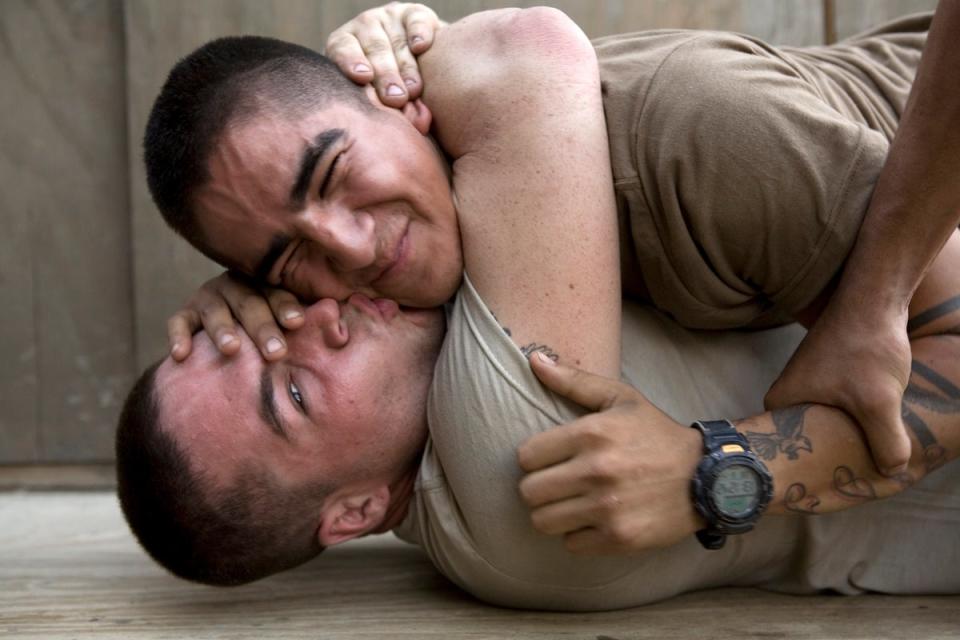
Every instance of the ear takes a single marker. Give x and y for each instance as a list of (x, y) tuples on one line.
[(416, 113), (419, 115), (353, 514)]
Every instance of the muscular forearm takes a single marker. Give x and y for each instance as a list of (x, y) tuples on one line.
[(916, 203), (819, 457)]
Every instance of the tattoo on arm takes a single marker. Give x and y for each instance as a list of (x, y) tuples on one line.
[(533, 348), (945, 399), (788, 439), (934, 313), (796, 500), (848, 485)]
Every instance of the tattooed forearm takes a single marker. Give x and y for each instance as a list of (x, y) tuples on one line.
[(788, 439), (849, 485), (943, 399), (796, 500), (933, 314), (533, 347)]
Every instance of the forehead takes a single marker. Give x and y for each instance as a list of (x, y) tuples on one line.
[(208, 402), (255, 167)]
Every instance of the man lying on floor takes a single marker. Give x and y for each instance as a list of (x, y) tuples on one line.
[(268, 463)]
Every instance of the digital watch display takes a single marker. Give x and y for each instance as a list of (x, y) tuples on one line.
[(731, 486)]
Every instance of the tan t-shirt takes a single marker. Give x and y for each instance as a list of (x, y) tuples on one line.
[(742, 170), (742, 174), (484, 401)]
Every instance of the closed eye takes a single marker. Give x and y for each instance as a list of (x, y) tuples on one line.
[(329, 176)]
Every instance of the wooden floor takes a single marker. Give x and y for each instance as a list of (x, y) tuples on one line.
[(69, 569)]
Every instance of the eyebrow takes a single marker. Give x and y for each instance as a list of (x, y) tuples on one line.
[(268, 404), (278, 245), (308, 162)]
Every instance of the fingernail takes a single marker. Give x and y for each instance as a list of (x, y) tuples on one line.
[(291, 314), (394, 90), (409, 82), (361, 68), (416, 40), (226, 339), (274, 345), (176, 348), (544, 358)]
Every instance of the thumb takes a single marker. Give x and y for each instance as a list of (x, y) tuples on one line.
[(589, 390), (888, 439)]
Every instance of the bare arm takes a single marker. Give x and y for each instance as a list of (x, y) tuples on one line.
[(516, 101), (914, 208), (618, 481)]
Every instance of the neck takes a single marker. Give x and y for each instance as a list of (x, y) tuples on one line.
[(401, 493)]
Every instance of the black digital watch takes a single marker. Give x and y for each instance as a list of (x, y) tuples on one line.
[(731, 486)]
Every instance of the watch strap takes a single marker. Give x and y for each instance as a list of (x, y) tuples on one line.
[(718, 433)]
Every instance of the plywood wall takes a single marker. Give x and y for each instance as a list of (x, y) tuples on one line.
[(88, 272)]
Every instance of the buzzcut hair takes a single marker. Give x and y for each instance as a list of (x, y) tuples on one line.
[(216, 86), (221, 536)]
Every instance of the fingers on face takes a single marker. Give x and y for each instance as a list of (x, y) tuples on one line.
[(286, 308), (380, 45), (256, 315), (345, 50), (180, 330), (420, 23)]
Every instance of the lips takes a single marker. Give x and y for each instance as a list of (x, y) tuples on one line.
[(381, 308)]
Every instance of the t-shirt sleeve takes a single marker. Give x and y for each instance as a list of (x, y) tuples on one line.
[(755, 185)]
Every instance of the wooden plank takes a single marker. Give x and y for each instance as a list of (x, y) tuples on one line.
[(66, 142), (854, 17), (70, 569)]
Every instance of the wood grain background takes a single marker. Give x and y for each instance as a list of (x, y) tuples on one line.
[(88, 271)]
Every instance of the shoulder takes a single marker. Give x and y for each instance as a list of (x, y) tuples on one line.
[(491, 60)]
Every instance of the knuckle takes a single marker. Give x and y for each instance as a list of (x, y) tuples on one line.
[(606, 506), (398, 42), (249, 307), (591, 434), (379, 48), (369, 18), (527, 491), (595, 471), (621, 533), (541, 522)]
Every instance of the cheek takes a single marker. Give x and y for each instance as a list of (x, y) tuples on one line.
[(310, 279)]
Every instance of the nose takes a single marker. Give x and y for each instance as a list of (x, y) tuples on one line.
[(324, 315), (346, 238)]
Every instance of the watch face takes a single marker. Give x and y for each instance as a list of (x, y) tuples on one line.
[(735, 491)]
